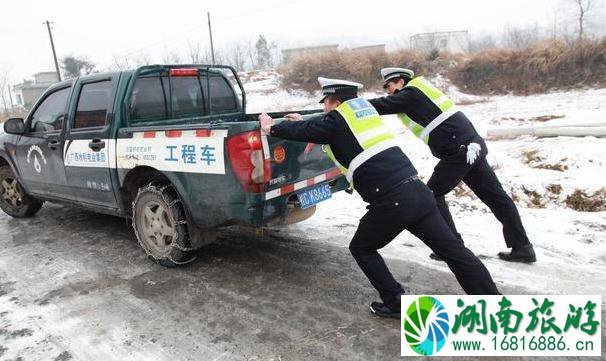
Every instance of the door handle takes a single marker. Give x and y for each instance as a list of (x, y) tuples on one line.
[(53, 144), (96, 145)]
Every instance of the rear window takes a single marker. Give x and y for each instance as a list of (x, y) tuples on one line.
[(187, 96), (149, 100), (159, 97), (222, 96)]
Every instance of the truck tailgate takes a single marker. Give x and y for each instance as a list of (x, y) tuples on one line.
[(296, 166)]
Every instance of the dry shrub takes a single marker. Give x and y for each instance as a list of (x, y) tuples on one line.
[(461, 190), (548, 65), (534, 160), (552, 64), (554, 188), (551, 166), (534, 199), (359, 66), (531, 155), (545, 118), (302, 72), (581, 201)]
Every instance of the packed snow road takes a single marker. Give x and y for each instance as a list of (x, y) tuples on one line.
[(76, 285)]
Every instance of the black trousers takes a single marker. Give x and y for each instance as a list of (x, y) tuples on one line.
[(484, 183), (412, 206)]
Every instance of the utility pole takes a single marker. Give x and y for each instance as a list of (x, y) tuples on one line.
[(210, 32), (50, 35)]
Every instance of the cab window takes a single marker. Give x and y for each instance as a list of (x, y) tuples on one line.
[(49, 116), (93, 104)]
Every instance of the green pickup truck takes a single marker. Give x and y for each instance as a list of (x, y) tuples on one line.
[(169, 146)]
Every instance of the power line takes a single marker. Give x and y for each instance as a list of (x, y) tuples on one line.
[(161, 41), (198, 27)]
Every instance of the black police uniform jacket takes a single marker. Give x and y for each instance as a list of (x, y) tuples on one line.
[(375, 177), (444, 140)]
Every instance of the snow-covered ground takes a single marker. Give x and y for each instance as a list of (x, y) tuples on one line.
[(540, 174)]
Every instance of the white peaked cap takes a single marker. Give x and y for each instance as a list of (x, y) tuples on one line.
[(338, 83), (389, 73)]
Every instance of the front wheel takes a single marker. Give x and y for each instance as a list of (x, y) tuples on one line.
[(13, 199), (160, 225)]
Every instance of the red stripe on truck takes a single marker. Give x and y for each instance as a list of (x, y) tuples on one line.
[(333, 173), (202, 132), (173, 133), (289, 188)]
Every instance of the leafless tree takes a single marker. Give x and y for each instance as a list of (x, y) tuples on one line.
[(236, 56), (251, 53), (171, 57), (143, 59), (584, 7), (275, 54), (483, 42), (194, 52), (121, 62), (4, 89), (516, 38)]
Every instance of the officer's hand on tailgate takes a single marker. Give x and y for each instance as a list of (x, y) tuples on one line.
[(295, 117), (266, 123)]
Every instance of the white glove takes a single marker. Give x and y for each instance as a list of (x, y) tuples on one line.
[(266, 123), (473, 150), (295, 117)]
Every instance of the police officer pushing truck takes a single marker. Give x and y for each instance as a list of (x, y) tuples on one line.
[(366, 151), (433, 117)]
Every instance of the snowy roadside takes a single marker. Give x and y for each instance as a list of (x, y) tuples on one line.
[(541, 174)]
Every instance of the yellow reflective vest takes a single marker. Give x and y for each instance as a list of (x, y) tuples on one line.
[(447, 108), (369, 130)]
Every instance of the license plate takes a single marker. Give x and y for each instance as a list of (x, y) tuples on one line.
[(317, 194)]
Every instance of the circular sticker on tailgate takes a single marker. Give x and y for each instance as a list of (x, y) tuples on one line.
[(279, 154)]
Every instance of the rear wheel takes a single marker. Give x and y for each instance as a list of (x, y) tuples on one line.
[(13, 199), (160, 225)]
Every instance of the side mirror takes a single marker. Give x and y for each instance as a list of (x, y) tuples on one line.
[(14, 126)]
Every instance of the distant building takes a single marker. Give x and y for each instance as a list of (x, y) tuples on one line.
[(289, 54), (29, 91), (370, 48), (446, 41)]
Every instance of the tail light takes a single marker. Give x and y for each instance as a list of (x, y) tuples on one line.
[(184, 72), (248, 162)]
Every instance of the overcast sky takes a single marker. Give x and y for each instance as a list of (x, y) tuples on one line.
[(104, 30)]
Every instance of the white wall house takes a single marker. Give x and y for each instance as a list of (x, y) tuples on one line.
[(29, 91), (446, 41)]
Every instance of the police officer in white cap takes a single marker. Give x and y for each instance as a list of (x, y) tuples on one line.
[(365, 150), (434, 118)]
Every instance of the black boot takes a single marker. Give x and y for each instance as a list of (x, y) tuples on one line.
[(435, 257), (524, 254), (382, 310)]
